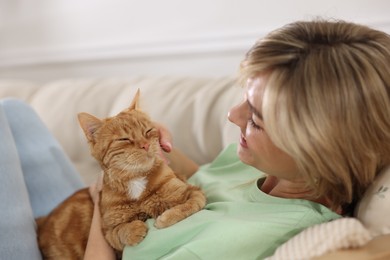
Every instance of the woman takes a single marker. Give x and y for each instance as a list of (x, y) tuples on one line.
[(315, 118)]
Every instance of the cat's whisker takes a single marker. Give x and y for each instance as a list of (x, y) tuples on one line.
[(110, 155), (133, 165), (128, 163)]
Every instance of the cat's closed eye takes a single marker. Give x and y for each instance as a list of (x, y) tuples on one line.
[(150, 132), (124, 139)]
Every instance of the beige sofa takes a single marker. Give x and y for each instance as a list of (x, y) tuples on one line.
[(195, 110)]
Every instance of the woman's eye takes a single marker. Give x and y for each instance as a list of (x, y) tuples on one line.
[(254, 125)]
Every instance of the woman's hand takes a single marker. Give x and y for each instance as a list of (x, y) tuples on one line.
[(165, 137), (97, 246), (177, 160), (95, 188)]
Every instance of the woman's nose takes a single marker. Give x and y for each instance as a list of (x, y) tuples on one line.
[(235, 115)]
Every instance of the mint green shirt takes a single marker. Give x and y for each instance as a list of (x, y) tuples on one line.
[(239, 221)]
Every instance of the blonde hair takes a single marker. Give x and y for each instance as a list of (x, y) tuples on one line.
[(327, 102)]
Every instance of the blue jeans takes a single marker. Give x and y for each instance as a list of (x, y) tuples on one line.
[(35, 176)]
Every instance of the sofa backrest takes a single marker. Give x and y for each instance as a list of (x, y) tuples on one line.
[(194, 109)]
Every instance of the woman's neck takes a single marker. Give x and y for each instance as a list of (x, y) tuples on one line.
[(285, 188), (292, 190)]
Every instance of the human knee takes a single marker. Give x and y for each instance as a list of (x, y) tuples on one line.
[(14, 103)]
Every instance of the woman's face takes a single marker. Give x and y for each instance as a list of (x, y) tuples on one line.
[(255, 147)]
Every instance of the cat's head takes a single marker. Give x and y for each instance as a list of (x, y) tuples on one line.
[(128, 142)]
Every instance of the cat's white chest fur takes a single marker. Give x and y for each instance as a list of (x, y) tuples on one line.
[(136, 187)]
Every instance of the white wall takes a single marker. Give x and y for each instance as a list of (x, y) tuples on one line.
[(48, 39)]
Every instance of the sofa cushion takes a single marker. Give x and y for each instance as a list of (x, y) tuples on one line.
[(373, 210)]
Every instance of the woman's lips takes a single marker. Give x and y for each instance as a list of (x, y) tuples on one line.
[(243, 142)]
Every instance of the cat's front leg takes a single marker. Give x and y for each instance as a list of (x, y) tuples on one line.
[(195, 202), (131, 233)]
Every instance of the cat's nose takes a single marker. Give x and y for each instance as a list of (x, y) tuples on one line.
[(145, 146)]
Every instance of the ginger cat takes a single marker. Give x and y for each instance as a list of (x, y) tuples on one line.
[(137, 185)]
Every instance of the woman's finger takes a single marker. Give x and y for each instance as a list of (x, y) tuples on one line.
[(165, 137)]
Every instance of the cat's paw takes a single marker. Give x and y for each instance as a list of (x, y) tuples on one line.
[(168, 218), (133, 233)]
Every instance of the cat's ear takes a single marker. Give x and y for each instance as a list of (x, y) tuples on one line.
[(89, 124), (135, 103)]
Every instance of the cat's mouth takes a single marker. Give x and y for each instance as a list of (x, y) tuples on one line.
[(152, 153), (150, 156)]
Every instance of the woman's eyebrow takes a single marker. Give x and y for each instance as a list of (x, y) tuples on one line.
[(254, 111)]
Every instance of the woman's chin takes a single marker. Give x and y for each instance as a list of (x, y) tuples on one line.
[(244, 155)]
